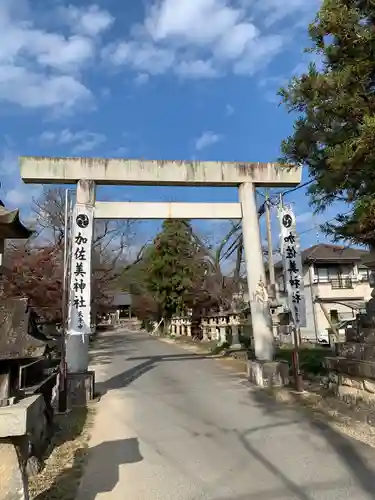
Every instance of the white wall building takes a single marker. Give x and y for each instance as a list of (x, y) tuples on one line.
[(336, 279)]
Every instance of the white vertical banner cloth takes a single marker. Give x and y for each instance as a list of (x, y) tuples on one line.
[(292, 264), (79, 311)]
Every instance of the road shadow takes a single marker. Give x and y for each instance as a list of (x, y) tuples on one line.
[(111, 340), (107, 345), (358, 457), (103, 469), (126, 377), (172, 357), (105, 357), (104, 461)]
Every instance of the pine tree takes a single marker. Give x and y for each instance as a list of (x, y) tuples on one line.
[(334, 134), (172, 267)]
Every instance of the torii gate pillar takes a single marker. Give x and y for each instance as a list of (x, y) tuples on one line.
[(256, 276)]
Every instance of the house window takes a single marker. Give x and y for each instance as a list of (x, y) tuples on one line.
[(364, 274), (334, 314), (345, 271), (327, 274), (322, 274), (281, 283)]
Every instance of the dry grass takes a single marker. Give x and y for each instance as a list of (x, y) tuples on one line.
[(60, 477), (323, 407)]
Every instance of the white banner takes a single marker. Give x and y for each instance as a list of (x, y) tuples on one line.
[(79, 313), (293, 269)]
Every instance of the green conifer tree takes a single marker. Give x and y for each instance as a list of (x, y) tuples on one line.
[(334, 134)]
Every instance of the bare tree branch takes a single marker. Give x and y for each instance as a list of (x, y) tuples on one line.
[(112, 241)]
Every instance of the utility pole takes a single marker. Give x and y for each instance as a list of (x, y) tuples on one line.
[(62, 396), (271, 266)]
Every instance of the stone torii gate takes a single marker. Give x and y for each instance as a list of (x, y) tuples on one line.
[(86, 173)]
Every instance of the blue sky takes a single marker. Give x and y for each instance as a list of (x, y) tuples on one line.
[(157, 79)]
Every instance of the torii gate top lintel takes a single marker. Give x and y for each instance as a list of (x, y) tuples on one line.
[(49, 170)]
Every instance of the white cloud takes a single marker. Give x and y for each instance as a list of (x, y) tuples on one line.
[(20, 42), (81, 141), (141, 56), (258, 55), (43, 68), (229, 110), (234, 43), (90, 20), (16, 198), (40, 68), (271, 81), (13, 192), (193, 21), (30, 89), (105, 92), (196, 69), (207, 139), (20, 195), (57, 52), (199, 39), (142, 79), (274, 11), (8, 163)]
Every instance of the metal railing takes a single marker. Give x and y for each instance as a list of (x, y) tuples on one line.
[(341, 283)]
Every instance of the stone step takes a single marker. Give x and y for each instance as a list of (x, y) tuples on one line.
[(356, 350), (354, 367)]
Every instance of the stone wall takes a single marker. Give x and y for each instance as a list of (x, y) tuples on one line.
[(352, 371), (23, 432)]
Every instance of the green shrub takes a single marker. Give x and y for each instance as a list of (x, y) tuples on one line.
[(217, 349), (311, 360), (245, 342)]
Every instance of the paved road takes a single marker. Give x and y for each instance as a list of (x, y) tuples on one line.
[(176, 426)]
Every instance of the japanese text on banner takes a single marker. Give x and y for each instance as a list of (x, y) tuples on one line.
[(292, 263), (79, 319)]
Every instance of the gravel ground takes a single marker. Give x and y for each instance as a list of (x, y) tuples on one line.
[(63, 467), (323, 408)]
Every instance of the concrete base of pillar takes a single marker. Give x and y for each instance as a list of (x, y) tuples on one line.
[(268, 373), (77, 352), (80, 389)]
